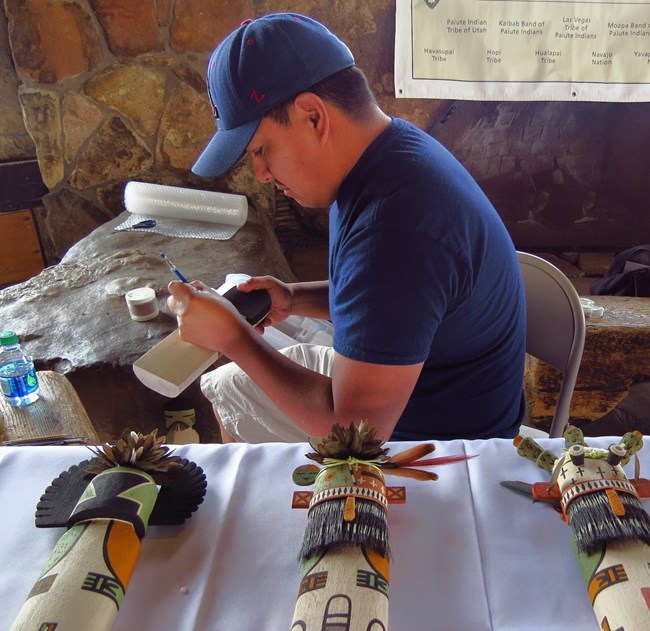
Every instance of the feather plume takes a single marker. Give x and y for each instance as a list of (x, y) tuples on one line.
[(415, 474), (441, 460), (410, 455)]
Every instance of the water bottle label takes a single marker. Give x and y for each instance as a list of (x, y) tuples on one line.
[(20, 385)]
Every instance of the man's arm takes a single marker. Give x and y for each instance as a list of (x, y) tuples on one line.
[(356, 390)]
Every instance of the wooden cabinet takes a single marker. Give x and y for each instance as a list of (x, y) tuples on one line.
[(20, 249)]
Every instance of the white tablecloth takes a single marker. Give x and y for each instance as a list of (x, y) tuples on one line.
[(467, 554)]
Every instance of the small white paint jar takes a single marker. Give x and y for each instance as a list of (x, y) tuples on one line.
[(142, 303)]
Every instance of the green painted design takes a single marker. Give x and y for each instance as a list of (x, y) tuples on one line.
[(144, 494), (311, 563), (121, 493), (88, 494), (63, 546), (334, 476), (574, 436), (305, 475), (370, 580), (588, 563)]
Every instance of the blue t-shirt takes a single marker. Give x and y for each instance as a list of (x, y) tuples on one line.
[(422, 269)]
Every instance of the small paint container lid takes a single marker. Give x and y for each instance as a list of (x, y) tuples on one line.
[(142, 303)]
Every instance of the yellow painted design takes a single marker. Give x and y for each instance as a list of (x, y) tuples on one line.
[(615, 502), (379, 563), (607, 577), (349, 512), (122, 550)]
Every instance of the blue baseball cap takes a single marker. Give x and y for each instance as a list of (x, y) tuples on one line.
[(261, 64)]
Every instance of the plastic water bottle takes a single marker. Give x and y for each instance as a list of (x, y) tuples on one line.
[(17, 374)]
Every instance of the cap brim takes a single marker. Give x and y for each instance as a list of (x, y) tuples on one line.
[(223, 151)]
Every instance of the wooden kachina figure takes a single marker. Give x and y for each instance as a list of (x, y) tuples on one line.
[(611, 530), (345, 554), (180, 419), (113, 497)]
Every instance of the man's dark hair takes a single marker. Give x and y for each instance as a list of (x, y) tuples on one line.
[(347, 89)]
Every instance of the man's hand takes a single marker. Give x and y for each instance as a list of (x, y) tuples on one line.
[(205, 318), (281, 298), (309, 299)]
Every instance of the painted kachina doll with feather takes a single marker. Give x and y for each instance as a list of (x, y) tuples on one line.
[(610, 528), (345, 553), (107, 504)]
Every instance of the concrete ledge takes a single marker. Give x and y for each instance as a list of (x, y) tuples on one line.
[(616, 354)]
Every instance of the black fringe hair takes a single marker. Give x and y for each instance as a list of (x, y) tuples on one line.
[(326, 528), (595, 524)]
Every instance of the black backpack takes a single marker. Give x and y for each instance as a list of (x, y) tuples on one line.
[(627, 275)]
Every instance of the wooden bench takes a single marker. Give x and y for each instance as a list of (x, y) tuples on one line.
[(57, 412)]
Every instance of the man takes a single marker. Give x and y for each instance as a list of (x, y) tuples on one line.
[(424, 288)]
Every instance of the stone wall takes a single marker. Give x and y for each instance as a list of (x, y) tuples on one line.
[(15, 142), (562, 175), (113, 90)]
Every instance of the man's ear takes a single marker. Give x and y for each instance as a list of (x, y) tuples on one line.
[(313, 110)]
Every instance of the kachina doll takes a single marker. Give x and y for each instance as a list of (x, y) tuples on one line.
[(610, 528), (345, 553), (107, 504)]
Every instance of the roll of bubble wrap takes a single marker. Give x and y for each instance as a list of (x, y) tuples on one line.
[(178, 211)]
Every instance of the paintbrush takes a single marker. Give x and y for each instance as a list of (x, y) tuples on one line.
[(173, 268)]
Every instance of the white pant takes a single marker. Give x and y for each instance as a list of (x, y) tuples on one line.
[(246, 413)]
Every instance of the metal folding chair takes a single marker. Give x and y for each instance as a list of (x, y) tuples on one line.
[(555, 328)]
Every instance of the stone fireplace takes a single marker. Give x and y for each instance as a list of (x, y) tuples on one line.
[(114, 90)]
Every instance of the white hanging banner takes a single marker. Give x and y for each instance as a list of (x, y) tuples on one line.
[(523, 50)]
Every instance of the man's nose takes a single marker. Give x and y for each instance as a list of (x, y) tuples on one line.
[(261, 170)]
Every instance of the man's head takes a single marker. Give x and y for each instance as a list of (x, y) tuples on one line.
[(262, 64), (307, 145)]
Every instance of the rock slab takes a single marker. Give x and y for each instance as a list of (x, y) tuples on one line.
[(73, 319)]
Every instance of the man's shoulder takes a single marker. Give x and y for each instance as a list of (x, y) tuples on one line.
[(402, 131)]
